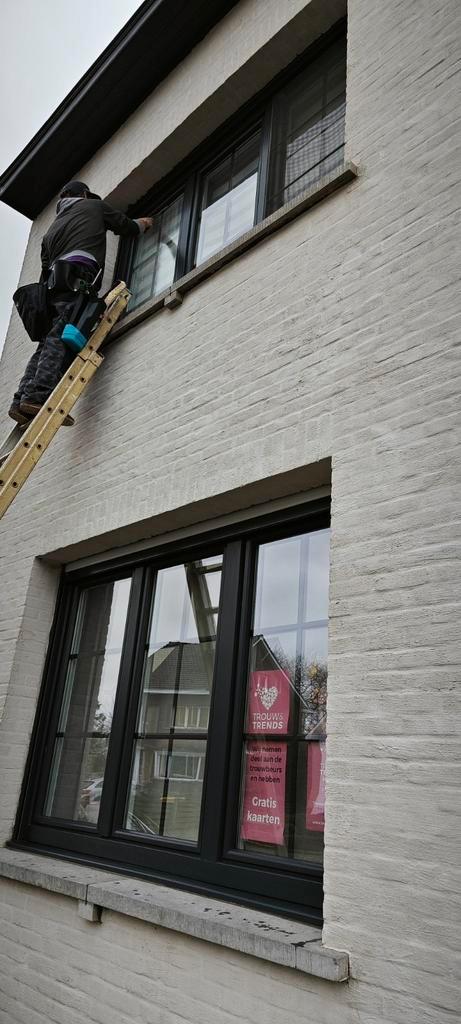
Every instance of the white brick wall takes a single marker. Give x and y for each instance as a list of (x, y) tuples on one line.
[(57, 967), (335, 337)]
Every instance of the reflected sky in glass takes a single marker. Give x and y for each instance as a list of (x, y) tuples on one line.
[(174, 615)]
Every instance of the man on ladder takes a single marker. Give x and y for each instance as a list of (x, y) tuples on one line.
[(73, 256)]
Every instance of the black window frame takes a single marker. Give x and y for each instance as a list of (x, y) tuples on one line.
[(215, 866), (186, 178)]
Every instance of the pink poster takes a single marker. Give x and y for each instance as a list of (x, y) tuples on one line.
[(315, 806), (263, 815), (268, 701)]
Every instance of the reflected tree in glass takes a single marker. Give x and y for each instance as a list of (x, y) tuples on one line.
[(288, 659)]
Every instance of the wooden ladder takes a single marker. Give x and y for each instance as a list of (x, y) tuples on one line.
[(24, 446)]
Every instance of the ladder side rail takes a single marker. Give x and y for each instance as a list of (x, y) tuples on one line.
[(35, 440), (203, 615)]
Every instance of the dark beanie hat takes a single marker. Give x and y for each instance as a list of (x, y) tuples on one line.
[(76, 188)]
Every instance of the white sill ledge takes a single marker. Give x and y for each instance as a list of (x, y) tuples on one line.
[(172, 297), (277, 939)]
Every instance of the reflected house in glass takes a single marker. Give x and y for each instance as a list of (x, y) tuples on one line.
[(167, 774)]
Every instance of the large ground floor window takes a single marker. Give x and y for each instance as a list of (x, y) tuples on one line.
[(182, 724)]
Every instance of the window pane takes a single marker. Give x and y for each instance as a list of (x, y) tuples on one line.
[(218, 183), (281, 806), (310, 126), (168, 762), (85, 719), (155, 257), (177, 679), (166, 788), (229, 199), (277, 591), (312, 686), (169, 235), (318, 575)]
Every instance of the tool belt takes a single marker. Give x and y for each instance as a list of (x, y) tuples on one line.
[(34, 302), (31, 301), (65, 276)]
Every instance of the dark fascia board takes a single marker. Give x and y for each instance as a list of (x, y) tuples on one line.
[(155, 40)]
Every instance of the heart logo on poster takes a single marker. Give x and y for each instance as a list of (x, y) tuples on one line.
[(268, 696)]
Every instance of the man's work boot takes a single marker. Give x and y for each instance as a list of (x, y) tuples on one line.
[(31, 409), (15, 413)]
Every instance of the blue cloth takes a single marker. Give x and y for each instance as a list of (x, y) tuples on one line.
[(73, 338)]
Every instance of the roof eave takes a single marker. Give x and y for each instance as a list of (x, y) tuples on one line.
[(106, 96)]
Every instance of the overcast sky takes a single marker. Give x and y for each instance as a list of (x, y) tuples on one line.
[(44, 49)]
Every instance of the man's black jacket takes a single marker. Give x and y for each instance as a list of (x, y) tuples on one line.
[(83, 226)]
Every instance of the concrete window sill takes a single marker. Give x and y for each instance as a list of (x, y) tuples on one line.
[(277, 939), (172, 297)]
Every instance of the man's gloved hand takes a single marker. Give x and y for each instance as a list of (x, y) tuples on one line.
[(145, 223)]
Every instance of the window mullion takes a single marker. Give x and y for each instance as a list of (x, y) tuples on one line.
[(171, 739), (118, 740), (293, 743), (275, 173), (194, 199), (267, 135), (215, 786), (182, 258), (242, 639)]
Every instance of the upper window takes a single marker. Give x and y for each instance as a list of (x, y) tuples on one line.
[(228, 198), (184, 716), (276, 149), (308, 132), (154, 259)]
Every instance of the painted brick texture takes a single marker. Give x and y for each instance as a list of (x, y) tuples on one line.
[(336, 337), (59, 968)]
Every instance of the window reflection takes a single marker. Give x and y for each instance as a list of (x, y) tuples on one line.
[(85, 720), (165, 795), (155, 256), (229, 199), (310, 129), (282, 778)]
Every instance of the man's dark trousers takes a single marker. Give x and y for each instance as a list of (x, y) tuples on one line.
[(52, 357)]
